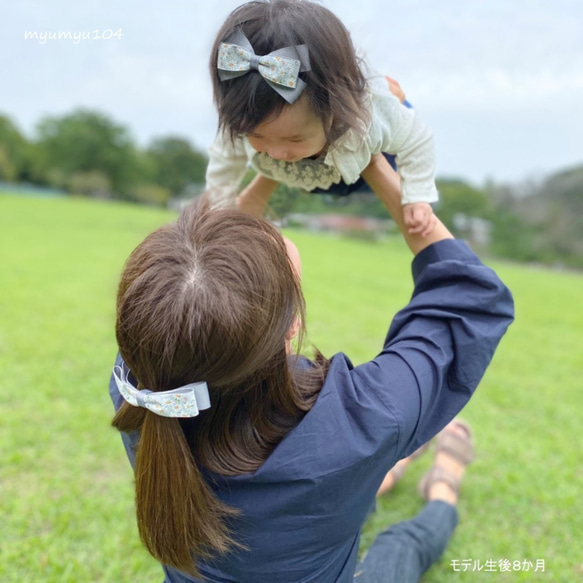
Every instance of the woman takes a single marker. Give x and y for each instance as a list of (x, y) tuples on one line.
[(271, 463)]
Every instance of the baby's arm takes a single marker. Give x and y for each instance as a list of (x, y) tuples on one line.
[(253, 198), (417, 217), (385, 183), (397, 130), (225, 171)]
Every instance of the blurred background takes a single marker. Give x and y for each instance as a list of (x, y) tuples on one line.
[(113, 99)]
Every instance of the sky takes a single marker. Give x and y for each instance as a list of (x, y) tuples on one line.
[(499, 82)]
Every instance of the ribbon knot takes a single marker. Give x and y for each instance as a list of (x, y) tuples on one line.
[(254, 62), (141, 398), (280, 68), (184, 401)]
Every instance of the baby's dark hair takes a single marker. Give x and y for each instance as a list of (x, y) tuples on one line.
[(335, 85)]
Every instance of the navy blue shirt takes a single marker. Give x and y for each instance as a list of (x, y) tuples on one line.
[(302, 510)]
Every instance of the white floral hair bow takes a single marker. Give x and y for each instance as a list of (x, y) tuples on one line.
[(184, 401), (280, 68)]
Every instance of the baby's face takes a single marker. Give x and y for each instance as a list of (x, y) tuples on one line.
[(294, 134)]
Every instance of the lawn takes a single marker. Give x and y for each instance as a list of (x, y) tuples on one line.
[(66, 487)]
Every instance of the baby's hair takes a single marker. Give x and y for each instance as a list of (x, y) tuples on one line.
[(210, 297), (335, 84)]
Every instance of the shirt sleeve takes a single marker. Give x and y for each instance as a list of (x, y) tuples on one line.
[(439, 346), (396, 129), (225, 171)]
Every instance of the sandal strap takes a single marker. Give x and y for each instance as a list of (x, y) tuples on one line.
[(434, 475), (458, 447)]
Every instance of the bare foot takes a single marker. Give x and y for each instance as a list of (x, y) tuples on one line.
[(397, 471), (393, 476)]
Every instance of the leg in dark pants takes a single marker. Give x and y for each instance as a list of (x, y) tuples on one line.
[(402, 553)]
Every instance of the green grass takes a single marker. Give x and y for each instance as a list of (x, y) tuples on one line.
[(66, 487)]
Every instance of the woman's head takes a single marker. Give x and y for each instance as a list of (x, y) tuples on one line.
[(209, 298), (334, 84), (213, 297)]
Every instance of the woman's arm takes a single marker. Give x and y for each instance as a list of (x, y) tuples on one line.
[(439, 345), (385, 182)]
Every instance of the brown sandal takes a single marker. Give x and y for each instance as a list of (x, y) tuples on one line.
[(460, 448)]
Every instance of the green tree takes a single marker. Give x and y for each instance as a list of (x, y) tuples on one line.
[(459, 197), (13, 151), (553, 209), (176, 164), (513, 239), (84, 142)]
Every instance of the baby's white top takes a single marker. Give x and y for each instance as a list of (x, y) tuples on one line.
[(394, 129)]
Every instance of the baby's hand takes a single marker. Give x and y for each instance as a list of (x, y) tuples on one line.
[(419, 218)]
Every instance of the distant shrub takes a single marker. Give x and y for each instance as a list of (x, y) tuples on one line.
[(93, 183), (150, 194)]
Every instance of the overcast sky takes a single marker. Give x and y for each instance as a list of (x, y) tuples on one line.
[(500, 82)]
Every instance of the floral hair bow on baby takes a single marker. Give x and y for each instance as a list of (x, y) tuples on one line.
[(184, 401), (280, 69)]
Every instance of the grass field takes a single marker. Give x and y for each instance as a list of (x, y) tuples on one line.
[(66, 487)]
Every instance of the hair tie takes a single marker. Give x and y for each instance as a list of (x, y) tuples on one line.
[(184, 401)]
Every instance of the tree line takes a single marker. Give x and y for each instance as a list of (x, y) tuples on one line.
[(86, 152)]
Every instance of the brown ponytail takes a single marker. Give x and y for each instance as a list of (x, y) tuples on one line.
[(177, 513)]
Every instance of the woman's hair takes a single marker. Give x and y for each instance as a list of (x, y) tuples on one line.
[(210, 297), (335, 85)]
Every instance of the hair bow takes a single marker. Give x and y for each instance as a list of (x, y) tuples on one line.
[(184, 401), (280, 68)]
